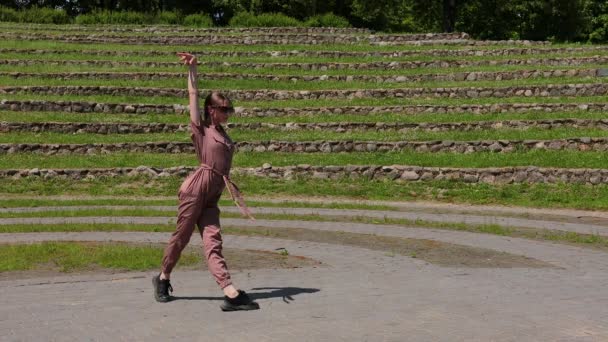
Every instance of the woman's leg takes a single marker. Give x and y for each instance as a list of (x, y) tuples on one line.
[(209, 228), (188, 212)]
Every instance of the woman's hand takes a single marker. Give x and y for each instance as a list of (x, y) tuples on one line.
[(187, 58)]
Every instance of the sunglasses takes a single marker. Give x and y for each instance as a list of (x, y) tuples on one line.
[(225, 109)]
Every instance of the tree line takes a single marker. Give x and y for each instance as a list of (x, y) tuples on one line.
[(559, 20)]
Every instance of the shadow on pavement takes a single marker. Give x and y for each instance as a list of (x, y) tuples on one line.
[(286, 293)]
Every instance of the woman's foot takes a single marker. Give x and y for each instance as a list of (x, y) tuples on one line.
[(240, 302), (161, 289)]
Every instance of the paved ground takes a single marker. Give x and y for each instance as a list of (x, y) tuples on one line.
[(359, 295)]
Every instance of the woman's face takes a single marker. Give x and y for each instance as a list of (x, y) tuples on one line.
[(221, 112)]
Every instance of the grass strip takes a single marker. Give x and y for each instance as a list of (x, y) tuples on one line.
[(594, 241), (311, 103), (17, 202), (69, 257), (576, 196), (12, 116), (83, 256), (441, 253), (540, 158)]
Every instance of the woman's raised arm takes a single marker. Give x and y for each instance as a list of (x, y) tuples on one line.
[(191, 62)]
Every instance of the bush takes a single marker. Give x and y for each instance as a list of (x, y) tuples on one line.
[(600, 32), (110, 17), (43, 15), (277, 20), (198, 20), (327, 20), (8, 14), (169, 18), (246, 19)]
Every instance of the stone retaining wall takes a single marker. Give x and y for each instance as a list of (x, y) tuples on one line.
[(579, 144), (245, 39), (462, 42), (250, 39), (558, 90), (329, 54), (90, 107), (215, 30), (417, 36), (397, 173), (458, 77), (97, 128), (128, 128), (385, 65)]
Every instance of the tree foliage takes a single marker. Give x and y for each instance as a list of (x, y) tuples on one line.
[(560, 20)]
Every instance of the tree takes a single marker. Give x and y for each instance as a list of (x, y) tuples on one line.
[(449, 15)]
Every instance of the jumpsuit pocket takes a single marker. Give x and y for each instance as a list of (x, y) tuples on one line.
[(226, 144)]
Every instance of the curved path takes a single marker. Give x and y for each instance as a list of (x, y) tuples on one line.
[(572, 225), (357, 295)]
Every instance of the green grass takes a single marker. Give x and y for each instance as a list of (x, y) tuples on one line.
[(253, 84), (540, 158), (40, 202), (139, 212), (563, 237), (29, 202), (238, 134), (577, 196), (11, 116), (73, 257), (316, 103), (41, 44)]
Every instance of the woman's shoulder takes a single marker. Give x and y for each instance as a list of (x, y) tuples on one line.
[(199, 128)]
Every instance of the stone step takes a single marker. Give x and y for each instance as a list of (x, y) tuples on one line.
[(174, 29), (265, 39), (504, 146), (396, 78), (397, 173), (323, 66), (329, 54), (134, 108), (340, 127), (551, 90)]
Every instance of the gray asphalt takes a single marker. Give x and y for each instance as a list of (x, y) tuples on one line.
[(359, 295)]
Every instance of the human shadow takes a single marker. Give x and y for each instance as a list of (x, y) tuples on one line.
[(286, 293)]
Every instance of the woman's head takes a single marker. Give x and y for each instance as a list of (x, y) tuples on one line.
[(217, 108)]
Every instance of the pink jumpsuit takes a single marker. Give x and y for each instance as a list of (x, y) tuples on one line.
[(198, 198)]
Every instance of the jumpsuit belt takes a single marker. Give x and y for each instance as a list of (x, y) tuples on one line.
[(234, 191)]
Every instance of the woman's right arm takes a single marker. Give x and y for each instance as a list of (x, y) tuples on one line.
[(191, 62)]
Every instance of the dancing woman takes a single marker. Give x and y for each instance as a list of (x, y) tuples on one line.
[(200, 192)]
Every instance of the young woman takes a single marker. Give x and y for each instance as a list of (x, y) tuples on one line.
[(200, 193)]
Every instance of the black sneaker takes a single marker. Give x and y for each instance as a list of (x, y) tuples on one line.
[(161, 289), (240, 302)]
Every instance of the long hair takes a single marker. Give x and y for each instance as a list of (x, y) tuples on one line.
[(213, 99)]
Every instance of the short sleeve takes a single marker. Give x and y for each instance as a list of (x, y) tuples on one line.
[(198, 139)]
